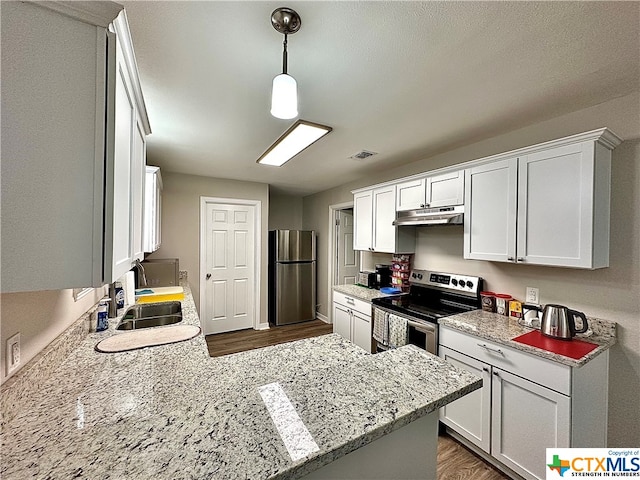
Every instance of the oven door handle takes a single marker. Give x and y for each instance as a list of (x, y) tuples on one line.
[(421, 327)]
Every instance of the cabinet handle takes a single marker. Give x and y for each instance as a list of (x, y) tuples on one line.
[(496, 374), (485, 369), (350, 301), (521, 259), (509, 259), (488, 348), (208, 276)]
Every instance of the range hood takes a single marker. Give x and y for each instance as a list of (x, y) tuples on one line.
[(453, 215)]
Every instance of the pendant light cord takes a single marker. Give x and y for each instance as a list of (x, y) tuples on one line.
[(284, 55)]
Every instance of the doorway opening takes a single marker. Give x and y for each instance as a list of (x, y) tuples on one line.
[(344, 261)]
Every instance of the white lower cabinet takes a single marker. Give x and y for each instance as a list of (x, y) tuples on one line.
[(352, 320), (527, 403)]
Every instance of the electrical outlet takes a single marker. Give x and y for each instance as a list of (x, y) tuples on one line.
[(533, 295), (13, 353)]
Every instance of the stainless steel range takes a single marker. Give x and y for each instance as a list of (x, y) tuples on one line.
[(432, 295)]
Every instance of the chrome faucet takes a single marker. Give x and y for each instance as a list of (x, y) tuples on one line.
[(142, 277)]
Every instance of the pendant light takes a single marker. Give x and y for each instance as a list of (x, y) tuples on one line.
[(284, 95)]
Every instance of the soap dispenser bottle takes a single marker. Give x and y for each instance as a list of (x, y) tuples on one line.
[(102, 322)]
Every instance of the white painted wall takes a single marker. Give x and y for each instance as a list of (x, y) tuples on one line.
[(612, 293), (39, 317), (285, 211), (181, 222)]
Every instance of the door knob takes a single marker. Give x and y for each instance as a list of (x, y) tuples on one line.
[(208, 276)]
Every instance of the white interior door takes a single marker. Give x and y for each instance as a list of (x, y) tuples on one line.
[(229, 268), (347, 258)]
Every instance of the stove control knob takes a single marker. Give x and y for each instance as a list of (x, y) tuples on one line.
[(419, 276), (469, 284), (454, 282), (413, 275)]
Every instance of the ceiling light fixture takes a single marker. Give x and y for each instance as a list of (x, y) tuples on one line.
[(284, 96), (298, 137)]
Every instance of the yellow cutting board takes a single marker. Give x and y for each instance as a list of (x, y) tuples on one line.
[(159, 294)]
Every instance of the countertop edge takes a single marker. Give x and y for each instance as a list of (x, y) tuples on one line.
[(460, 322)]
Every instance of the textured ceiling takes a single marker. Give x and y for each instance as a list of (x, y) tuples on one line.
[(405, 79)]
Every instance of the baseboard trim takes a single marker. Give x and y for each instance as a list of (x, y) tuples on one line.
[(322, 317)]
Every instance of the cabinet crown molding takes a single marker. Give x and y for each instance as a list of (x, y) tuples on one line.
[(602, 135), (121, 27), (95, 13)]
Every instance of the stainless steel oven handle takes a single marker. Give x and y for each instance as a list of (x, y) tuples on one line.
[(421, 327)]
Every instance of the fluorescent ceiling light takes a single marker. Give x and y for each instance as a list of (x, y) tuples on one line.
[(292, 142)]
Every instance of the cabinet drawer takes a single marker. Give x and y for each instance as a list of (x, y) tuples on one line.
[(352, 303), (537, 369)]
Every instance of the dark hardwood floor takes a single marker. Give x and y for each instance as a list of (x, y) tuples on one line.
[(455, 462), (241, 340)]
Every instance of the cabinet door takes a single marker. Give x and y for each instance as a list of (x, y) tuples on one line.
[(411, 195), (470, 416), (446, 189), (152, 209), (490, 211), (121, 240), (361, 330), (527, 419), (138, 176), (341, 321), (556, 207), (384, 208), (363, 220)]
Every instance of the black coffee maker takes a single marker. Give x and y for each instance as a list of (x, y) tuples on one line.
[(383, 275)]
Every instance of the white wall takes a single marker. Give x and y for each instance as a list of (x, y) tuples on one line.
[(285, 211), (612, 293), (39, 317), (181, 222)]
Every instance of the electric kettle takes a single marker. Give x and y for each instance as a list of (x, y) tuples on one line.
[(558, 321)]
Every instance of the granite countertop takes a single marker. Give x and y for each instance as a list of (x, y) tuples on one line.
[(360, 292), (502, 329), (171, 411)]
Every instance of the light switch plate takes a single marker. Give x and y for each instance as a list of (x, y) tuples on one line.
[(13, 353)]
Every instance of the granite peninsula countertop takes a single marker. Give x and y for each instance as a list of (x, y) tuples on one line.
[(502, 329), (173, 412), (362, 293)]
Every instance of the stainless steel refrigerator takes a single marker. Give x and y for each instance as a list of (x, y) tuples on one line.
[(292, 276)]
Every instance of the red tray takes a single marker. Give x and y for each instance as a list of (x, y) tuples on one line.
[(573, 348)]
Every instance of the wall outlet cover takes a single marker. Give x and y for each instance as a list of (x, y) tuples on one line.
[(13, 353), (533, 295)]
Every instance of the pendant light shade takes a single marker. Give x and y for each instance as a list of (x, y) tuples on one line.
[(284, 97)]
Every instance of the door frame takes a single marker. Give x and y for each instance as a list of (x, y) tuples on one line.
[(333, 254), (257, 258)]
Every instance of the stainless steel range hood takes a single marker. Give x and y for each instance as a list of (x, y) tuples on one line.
[(431, 216)]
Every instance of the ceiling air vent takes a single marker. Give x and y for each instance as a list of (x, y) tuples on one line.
[(362, 154)]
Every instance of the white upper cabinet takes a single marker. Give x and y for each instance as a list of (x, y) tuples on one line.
[(373, 216), (363, 220), (72, 159), (433, 191), (544, 206), (490, 211), (152, 209)]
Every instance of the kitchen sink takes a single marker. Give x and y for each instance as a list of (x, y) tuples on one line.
[(148, 315)]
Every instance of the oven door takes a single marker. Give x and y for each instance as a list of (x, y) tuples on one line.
[(424, 335)]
